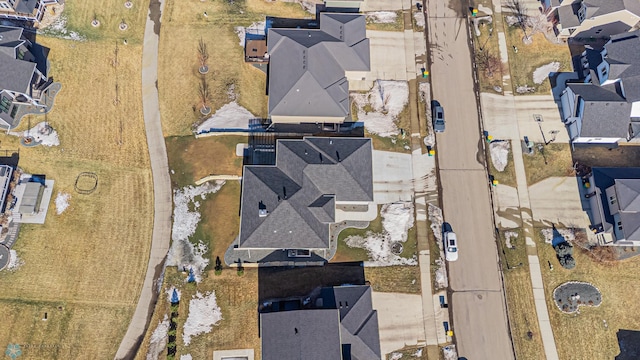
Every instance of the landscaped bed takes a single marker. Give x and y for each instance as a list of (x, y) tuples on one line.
[(573, 294)]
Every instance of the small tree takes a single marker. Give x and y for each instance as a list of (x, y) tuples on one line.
[(520, 12), (489, 63), (203, 56), (204, 96)]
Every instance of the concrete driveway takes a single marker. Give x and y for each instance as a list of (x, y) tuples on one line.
[(557, 200), (392, 177), (388, 61), (399, 320)]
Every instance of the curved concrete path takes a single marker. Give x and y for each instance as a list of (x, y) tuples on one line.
[(161, 236)]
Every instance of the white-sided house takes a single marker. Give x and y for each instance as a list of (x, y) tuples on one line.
[(310, 69), (291, 205), (588, 19), (25, 10)]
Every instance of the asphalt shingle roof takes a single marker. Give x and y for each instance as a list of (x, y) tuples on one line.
[(299, 192), (346, 325), (627, 182), (606, 113), (307, 66), (15, 75)]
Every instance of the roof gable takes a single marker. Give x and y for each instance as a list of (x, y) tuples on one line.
[(628, 194)]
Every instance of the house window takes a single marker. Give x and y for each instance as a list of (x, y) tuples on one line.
[(620, 225), (4, 5), (14, 111), (4, 104), (604, 71), (582, 13), (598, 31), (20, 54), (612, 200)]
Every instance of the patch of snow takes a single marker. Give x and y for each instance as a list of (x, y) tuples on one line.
[(395, 356), (424, 89), (14, 261), (499, 151), (257, 28), (386, 99), (484, 9), (183, 253), (397, 219), (434, 214), (229, 116), (541, 73), (158, 339), (62, 202), (382, 17), (450, 352), (186, 357), (418, 353), (419, 18), (568, 234), (58, 29), (204, 313), (42, 133), (508, 236)]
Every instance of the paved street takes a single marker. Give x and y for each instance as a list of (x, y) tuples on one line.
[(479, 317)]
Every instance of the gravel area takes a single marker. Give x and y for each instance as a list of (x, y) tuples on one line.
[(571, 295)]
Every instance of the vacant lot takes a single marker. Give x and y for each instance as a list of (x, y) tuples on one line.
[(553, 160), (110, 13), (184, 24), (586, 335), (403, 279), (192, 159), (85, 266)]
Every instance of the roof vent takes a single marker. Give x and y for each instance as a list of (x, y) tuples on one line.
[(306, 152), (263, 213), (330, 142)]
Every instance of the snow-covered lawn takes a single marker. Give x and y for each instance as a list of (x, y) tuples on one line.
[(397, 219), (434, 215), (382, 17), (384, 103), (58, 29), (419, 18), (158, 339), (184, 253), (204, 313), (186, 357), (62, 202), (499, 151), (541, 73), (42, 133), (229, 116), (568, 234), (14, 261)]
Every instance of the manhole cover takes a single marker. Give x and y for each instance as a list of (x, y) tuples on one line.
[(397, 248)]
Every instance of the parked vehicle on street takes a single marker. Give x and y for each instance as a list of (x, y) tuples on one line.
[(450, 246), (437, 116)]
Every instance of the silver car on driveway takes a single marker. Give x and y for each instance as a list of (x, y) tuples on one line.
[(450, 246)]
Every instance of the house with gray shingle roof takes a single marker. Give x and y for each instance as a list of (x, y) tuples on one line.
[(615, 206), (25, 10), (25, 83), (605, 106), (309, 69), (340, 325), (291, 205), (588, 19)]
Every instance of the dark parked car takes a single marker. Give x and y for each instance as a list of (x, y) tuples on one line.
[(437, 116)]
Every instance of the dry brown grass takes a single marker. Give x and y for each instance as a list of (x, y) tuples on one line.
[(237, 297), (584, 336), (530, 57), (508, 175), (397, 25), (403, 279), (192, 159), (182, 27), (110, 13), (91, 259), (558, 162)]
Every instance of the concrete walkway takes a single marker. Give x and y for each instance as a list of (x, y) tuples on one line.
[(161, 236), (505, 116)]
